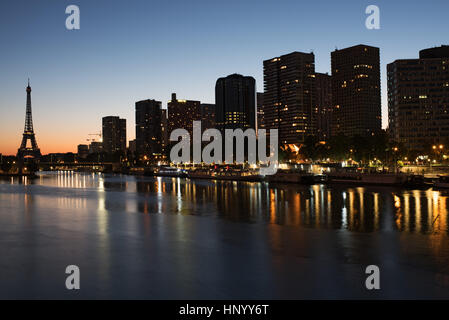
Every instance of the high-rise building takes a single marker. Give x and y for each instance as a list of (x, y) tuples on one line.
[(441, 52), (356, 91), (323, 90), (289, 98), (418, 99), (132, 146), (114, 134), (83, 151), (182, 113), (96, 147), (164, 128), (149, 133), (235, 102), (207, 116), (260, 114)]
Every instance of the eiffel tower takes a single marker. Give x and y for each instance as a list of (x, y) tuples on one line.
[(28, 151)]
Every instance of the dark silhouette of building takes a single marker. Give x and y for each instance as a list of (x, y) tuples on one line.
[(164, 128), (356, 91), (235, 102), (28, 148), (95, 147), (132, 146), (260, 113), (149, 132), (323, 89), (418, 99), (182, 113), (435, 53), (114, 134), (68, 157), (289, 98), (83, 151), (207, 116)]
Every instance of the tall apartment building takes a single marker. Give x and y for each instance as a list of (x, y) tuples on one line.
[(418, 99), (356, 91), (260, 113), (235, 102), (114, 134), (289, 98), (323, 90), (182, 113), (132, 146), (207, 116), (83, 151), (165, 133), (149, 133)]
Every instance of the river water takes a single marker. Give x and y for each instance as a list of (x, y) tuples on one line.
[(172, 238)]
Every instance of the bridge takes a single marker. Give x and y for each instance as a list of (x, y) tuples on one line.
[(79, 166)]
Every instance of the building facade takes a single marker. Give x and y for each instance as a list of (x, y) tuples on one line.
[(289, 98), (95, 147), (418, 99), (207, 116), (164, 128), (182, 113), (83, 151), (323, 90), (235, 102), (260, 113), (356, 91), (114, 134), (149, 133), (132, 146)]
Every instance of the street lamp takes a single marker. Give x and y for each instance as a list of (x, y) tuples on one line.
[(438, 150), (395, 149)]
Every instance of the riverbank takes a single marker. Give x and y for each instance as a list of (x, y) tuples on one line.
[(30, 175), (343, 177)]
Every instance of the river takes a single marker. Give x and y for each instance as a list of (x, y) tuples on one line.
[(172, 238)]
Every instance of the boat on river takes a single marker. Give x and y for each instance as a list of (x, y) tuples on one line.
[(441, 183)]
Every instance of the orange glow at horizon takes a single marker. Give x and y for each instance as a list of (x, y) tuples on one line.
[(54, 138)]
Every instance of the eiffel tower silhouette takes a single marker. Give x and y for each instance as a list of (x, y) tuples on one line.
[(28, 151)]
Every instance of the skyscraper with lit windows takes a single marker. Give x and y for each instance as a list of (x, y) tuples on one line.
[(289, 98), (356, 91), (182, 113), (114, 134), (235, 102), (418, 99), (149, 130)]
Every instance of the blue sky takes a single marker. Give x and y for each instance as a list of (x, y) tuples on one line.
[(130, 50)]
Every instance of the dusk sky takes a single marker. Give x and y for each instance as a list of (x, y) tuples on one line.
[(127, 51)]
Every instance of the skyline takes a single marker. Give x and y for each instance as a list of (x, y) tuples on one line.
[(104, 68)]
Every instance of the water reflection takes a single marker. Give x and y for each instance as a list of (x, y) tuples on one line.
[(354, 209)]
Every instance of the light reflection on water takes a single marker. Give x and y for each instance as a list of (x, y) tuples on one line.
[(358, 209), (136, 237)]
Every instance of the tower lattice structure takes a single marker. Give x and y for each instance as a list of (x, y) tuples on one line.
[(28, 148)]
